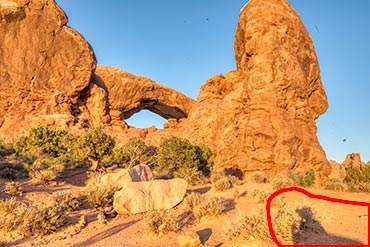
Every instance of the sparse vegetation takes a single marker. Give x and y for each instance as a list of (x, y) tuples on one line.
[(222, 182), (66, 200), (336, 185), (358, 180), (34, 219), (281, 181), (259, 195), (161, 222), (257, 177), (98, 194), (13, 188), (202, 206)]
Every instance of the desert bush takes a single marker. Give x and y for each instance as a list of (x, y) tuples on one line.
[(44, 170), (358, 180), (6, 148), (98, 194), (177, 157), (254, 228), (281, 181), (260, 195), (336, 185), (135, 152), (306, 178), (202, 206), (222, 182), (257, 177), (248, 228), (41, 140), (94, 145), (66, 200), (192, 200), (161, 222), (13, 188), (35, 219)]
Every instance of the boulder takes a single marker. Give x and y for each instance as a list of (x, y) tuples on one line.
[(262, 115), (352, 161), (147, 196), (189, 239), (121, 178)]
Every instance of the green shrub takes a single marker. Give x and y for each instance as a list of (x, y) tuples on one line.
[(358, 180), (161, 222), (98, 194), (307, 178), (177, 157), (94, 145), (41, 140), (281, 181)]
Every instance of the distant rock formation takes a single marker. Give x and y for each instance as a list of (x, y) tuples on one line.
[(352, 161), (262, 116)]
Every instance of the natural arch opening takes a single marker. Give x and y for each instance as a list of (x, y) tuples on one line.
[(145, 119)]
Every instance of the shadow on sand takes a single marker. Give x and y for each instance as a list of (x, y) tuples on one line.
[(313, 233)]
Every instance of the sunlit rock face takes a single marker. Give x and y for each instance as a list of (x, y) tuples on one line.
[(262, 115), (44, 66)]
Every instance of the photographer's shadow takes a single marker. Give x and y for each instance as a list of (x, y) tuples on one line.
[(313, 233)]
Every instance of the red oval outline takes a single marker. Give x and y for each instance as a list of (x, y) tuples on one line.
[(321, 197)]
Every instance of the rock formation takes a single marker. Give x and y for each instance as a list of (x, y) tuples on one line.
[(44, 66), (129, 94), (262, 116), (140, 197), (259, 117), (352, 161)]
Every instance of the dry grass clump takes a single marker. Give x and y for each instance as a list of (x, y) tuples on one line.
[(222, 182), (99, 194), (13, 188), (161, 222), (34, 219), (257, 177), (202, 206), (248, 228), (66, 199), (336, 185), (259, 195), (281, 181)]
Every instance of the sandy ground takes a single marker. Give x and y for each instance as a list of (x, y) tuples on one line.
[(338, 223)]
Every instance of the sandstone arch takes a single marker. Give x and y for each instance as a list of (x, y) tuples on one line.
[(130, 94)]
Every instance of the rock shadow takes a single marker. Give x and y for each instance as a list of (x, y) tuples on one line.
[(313, 233), (204, 234), (106, 234)]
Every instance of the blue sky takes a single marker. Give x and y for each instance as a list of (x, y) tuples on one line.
[(181, 43)]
